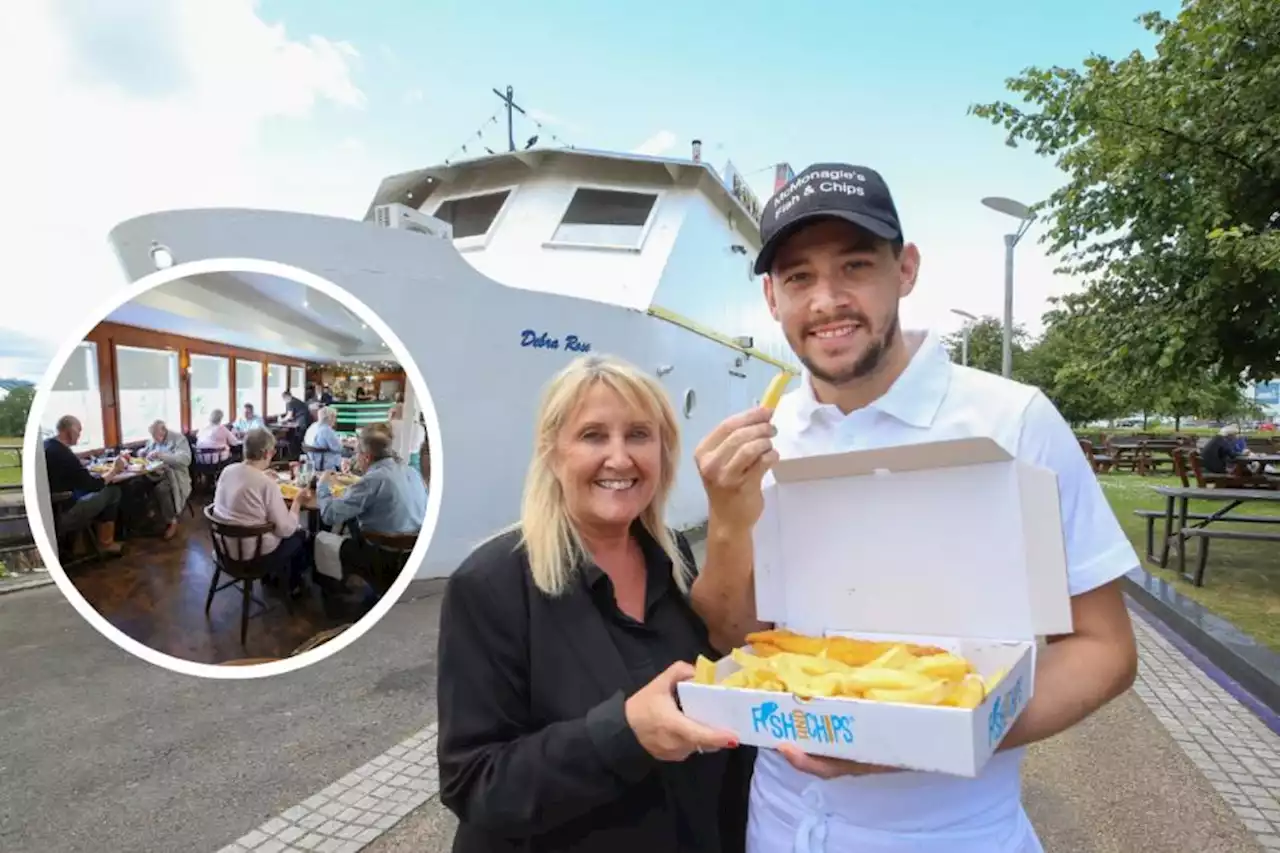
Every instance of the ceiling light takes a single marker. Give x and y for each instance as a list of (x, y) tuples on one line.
[(161, 256)]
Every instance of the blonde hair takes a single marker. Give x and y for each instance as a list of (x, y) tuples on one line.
[(547, 533)]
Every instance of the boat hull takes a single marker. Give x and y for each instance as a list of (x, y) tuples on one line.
[(477, 345)]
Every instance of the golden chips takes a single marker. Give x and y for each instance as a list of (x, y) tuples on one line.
[(811, 667)]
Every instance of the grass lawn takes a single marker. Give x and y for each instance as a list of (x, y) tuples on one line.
[(1242, 582), (10, 470)]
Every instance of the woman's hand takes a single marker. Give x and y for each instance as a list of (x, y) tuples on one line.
[(828, 768), (665, 732)]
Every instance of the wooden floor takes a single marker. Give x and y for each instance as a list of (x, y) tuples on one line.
[(156, 593)]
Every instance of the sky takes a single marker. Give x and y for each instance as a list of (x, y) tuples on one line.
[(122, 108)]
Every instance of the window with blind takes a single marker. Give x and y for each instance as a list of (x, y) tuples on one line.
[(210, 384), (277, 384), (148, 392), (608, 218), (298, 382), (472, 216), (76, 393), (248, 386)]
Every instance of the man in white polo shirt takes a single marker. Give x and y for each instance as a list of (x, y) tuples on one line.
[(836, 267)]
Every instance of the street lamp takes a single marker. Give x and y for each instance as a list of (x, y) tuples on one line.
[(969, 320), (1019, 211)]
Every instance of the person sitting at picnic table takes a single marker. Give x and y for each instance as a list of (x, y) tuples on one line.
[(324, 438), (1220, 453), (97, 501), (173, 480), (248, 494), (390, 497), (215, 438), (248, 420)]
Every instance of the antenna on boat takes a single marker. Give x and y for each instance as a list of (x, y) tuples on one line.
[(509, 100)]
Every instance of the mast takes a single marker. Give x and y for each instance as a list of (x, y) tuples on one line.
[(512, 107)]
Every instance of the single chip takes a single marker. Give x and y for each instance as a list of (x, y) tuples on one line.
[(966, 693), (932, 693), (704, 671), (773, 393), (947, 666)]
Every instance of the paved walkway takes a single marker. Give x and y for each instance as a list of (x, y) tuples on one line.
[(156, 761), (1175, 764)]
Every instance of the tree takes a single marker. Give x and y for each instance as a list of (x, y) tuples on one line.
[(1171, 209), (986, 344), (14, 410)]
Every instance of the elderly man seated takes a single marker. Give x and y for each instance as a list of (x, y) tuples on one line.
[(97, 502), (390, 497), (248, 494), (173, 480), (324, 438), (247, 421)]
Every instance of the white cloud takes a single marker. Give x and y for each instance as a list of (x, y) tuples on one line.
[(660, 143), (96, 136), (413, 96)]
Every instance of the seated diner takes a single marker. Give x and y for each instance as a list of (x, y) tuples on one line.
[(215, 440), (173, 476), (132, 418), (96, 500), (322, 443), (389, 498), (248, 494)]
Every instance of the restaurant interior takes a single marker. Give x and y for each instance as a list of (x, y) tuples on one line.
[(196, 353)]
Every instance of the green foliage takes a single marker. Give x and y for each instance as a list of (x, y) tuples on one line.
[(986, 344), (14, 410), (1069, 362), (1169, 211)]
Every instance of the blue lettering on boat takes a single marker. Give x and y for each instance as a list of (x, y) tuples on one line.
[(543, 340)]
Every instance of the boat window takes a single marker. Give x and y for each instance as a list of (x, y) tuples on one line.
[(606, 218), (471, 216)]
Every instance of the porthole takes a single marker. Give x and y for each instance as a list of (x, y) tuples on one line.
[(690, 402)]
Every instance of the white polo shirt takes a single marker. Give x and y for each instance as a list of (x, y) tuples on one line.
[(907, 812)]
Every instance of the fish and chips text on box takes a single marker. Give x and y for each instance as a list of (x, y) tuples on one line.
[(908, 585)]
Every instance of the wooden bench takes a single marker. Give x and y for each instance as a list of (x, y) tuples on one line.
[(1154, 515), (1204, 534)]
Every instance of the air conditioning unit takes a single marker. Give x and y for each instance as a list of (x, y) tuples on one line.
[(406, 218)]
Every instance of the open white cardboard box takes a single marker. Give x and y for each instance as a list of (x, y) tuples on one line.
[(952, 543)]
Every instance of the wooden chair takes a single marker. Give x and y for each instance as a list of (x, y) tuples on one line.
[(318, 455), (61, 502), (391, 553), (243, 571), (206, 467)]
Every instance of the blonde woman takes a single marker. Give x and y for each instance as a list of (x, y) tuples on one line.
[(562, 639)]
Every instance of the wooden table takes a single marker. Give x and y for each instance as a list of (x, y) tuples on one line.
[(311, 504), (1232, 498)]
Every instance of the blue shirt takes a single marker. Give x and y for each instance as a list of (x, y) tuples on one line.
[(246, 424), (323, 437), (389, 498)]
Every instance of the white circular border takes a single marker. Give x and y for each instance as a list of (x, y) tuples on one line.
[(35, 507)]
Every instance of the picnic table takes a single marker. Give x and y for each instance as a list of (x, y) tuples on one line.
[(1177, 500)]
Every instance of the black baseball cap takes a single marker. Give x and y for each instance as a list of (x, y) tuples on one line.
[(855, 194)]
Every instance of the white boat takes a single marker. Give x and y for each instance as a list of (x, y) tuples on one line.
[(495, 272)]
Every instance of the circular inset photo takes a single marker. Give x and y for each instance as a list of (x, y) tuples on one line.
[(232, 472)]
